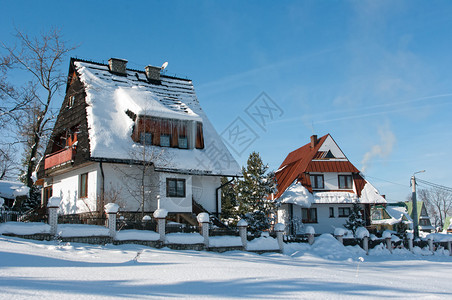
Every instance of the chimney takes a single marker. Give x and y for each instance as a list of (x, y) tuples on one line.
[(117, 66), (152, 73), (313, 140)]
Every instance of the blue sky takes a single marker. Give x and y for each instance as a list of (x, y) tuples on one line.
[(374, 74)]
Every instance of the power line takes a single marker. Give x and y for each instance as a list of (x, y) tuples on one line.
[(435, 185), (404, 185)]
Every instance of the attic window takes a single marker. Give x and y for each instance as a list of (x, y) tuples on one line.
[(329, 154), (165, 140), (71, 101), (182, 134)]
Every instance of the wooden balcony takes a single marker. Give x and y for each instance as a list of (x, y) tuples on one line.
[(59, 158)]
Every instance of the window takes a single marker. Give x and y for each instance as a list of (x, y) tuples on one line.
[(424, 222), (345, 182), (183, 142), (146, 138), (83, 186), (344, 212), (331, 212), (316, 181), (71, 101), (47, 194), (165, 140), (309, 215), (175, 187)]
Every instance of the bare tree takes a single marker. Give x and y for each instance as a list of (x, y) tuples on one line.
[(41, 58), (438, 203), (7, 161)]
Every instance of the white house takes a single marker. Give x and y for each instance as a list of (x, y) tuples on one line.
[(317, 185), (135, 137)]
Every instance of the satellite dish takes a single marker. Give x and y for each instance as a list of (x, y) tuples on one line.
[(165, 64)]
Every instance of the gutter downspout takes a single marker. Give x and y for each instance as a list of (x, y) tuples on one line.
[(102, 188), (216, 196)]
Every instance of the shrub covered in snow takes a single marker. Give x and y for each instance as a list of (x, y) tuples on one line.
[(355, 219)]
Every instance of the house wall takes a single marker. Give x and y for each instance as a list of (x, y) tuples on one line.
[(324, 224), (175, 204), (331, 180), (204, 188), (67, 187), (123, 184)]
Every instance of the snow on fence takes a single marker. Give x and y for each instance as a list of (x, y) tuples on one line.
[(206, 238)]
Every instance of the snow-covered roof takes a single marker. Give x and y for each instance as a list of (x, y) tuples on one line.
[(397, 214), (12, 189), (296, 193), (109, 96)]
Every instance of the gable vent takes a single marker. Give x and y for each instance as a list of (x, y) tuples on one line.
[(117, 65)]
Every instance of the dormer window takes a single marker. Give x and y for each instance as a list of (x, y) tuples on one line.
[(146, 138), (182, 134), (183, 142), (165, 140)]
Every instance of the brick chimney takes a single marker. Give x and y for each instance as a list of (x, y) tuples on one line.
[(313, 140), (152, 73), (118, 66)]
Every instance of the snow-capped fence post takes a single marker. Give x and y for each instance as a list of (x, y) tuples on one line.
[(279, 229), (310, 232), (363, 234), (160, 215), (449, 247), (111, 209), (430, 243), (339, 234), (242, 225), (410, 237), (53, 204), (204, 221), (387, 236)]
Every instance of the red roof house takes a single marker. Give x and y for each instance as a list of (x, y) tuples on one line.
[(317, 185)]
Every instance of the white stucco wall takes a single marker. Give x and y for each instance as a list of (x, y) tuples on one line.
[(204, 188), (67, 187), (123, 184), (176, 204), (324, 224)]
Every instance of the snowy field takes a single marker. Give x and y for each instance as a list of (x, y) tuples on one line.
[(33, 269)]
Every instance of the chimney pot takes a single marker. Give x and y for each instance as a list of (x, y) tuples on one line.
[(313, 141), (118, 65), (152, 73)]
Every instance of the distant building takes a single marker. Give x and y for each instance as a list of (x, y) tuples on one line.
[(422, 216)]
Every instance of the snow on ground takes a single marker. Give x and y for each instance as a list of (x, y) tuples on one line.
[(53, 270)]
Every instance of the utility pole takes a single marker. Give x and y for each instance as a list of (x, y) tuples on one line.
[(414, 203)]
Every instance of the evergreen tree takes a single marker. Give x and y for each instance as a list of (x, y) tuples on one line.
[(253, 193), (355, 219), (229, 208)]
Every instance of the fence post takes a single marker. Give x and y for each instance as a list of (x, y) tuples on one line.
[(449, 248), (242, 225), (53, 204), (410, 237), (310, 231), (160, 215), (387, 237), (111, 209), (430, 244), (279, 229), (204, 220), (339, 234)]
